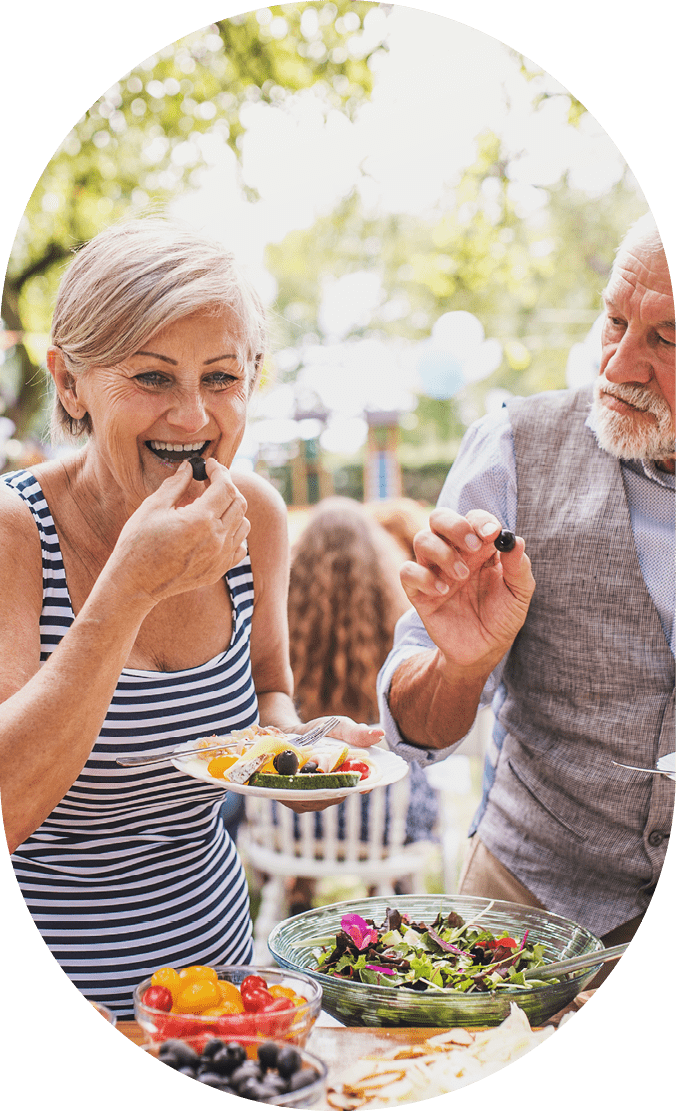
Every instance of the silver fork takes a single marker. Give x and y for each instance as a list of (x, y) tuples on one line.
[(298, 739)]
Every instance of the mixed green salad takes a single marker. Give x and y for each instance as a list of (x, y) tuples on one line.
[(447, 954)]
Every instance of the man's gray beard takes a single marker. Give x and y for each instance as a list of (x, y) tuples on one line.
[(631, 435)]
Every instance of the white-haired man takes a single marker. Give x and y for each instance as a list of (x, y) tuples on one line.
[(580, 667)]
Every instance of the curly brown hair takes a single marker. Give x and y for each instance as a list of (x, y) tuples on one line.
[(344, 601)]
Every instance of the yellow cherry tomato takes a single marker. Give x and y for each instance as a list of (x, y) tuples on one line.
[(231, 995), (220, 764), (224, 1008), (167, 978), (196, 997), (280, 992), (197, 972)]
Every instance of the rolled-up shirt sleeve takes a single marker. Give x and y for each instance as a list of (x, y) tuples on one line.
[(482, 477)]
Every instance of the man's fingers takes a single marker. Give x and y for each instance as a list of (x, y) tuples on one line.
[(422, 582)]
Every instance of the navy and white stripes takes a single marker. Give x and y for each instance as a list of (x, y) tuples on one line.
[(133, 869)]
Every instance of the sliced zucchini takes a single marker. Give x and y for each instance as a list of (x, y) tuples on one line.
[(312, 781)]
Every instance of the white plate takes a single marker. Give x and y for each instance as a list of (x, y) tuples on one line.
[(389, 768), (667, 764)]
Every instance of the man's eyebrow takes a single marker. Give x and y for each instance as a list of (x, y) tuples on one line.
[(166, 359), (610, 304)]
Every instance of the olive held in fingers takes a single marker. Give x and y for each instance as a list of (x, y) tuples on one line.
[(505, 540), (199, 468)]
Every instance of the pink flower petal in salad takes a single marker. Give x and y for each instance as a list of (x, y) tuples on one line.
[(361, 933)]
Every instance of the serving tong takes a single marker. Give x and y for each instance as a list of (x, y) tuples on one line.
[(576, 964), (300, 740), (668, 771)]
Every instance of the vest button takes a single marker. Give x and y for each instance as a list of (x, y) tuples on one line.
[(655, 838)]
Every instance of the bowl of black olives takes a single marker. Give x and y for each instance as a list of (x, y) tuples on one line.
[(252, 1068)]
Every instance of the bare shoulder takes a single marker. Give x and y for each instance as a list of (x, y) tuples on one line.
[(20, 591), (19, 538), (265, 504), (269, 537)]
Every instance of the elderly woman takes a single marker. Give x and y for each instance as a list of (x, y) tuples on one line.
[(142, 608)]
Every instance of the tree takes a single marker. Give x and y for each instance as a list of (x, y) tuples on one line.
[(140, 142)]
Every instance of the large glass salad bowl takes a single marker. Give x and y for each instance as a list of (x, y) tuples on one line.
[(293, 941)]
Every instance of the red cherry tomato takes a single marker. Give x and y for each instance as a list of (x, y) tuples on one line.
[(351, 765), (235, 1026), (256, 1000), (278, 1005), (272, 1021), (157, 997), (173, 1026), (252, 982)]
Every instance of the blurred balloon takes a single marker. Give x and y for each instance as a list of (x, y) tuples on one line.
[(459, 332), (440, 373), (456, 353)]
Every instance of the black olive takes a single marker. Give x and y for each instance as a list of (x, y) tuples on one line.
[(213, 1046), (267, 1055), (301, 1079), (211, 1078), (255, 1090), (286, 762), (288, 1061), (177, 1054), (199, 468), (234, 1053), (187, 1070), (311, 766), (222, 1063), (505, 540), (249, 1070)]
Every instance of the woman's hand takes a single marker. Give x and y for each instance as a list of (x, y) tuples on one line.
[(471, 599), (350, 732), (170, 546)]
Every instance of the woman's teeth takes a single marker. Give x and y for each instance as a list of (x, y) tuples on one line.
[(176, 451)]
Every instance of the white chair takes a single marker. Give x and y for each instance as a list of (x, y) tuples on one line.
[(266, 840)]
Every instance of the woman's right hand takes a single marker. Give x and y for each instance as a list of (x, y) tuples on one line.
[(171, 545), (471, 599)]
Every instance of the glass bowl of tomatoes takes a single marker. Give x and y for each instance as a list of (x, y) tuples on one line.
[(227, 1001)]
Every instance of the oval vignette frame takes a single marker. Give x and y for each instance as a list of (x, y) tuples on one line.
[(61, 59)]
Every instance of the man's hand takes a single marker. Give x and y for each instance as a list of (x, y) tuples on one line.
[(471, 599)]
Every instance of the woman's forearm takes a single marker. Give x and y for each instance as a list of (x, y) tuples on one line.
[(48, 727), (434, 703)]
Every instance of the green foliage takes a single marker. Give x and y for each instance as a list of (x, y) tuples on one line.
[(142, 141)]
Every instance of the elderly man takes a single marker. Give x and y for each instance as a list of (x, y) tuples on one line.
[(573, 642)]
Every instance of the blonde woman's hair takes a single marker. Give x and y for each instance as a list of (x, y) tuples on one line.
[(344, 601), (133, 279)]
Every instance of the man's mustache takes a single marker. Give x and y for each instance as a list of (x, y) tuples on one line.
[(638, 396)]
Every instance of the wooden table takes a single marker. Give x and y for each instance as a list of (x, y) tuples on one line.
[(336, 1045), (341, 1045)]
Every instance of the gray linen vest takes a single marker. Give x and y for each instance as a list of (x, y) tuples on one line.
[(589, 679)]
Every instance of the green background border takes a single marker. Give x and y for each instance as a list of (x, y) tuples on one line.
[(618, 60)]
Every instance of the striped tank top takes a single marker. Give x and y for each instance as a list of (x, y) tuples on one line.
[(133, 869)]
